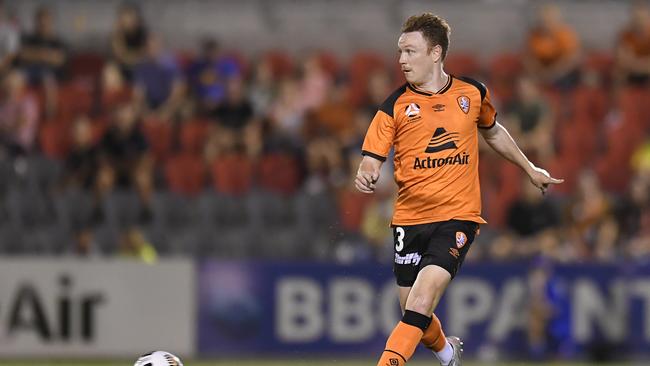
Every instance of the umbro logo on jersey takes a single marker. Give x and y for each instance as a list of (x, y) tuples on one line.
[(439, 108), (442, 140), (412, 110)]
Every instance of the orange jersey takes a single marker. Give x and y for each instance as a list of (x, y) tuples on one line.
[(435, 137)]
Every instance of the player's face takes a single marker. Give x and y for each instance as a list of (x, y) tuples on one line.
[(415, 58)]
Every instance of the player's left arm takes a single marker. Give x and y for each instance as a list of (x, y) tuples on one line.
[(500, 140)]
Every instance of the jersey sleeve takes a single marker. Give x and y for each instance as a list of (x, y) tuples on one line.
[(379, 137), (488, 116)]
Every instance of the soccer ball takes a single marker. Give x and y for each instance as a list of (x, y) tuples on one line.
[(158, 358)]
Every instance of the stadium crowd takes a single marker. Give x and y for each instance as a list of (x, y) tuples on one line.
[(145, 151)]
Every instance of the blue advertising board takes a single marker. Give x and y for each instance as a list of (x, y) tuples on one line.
[(299, 309)]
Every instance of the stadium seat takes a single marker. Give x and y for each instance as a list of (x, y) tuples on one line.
[(361, 66), (74, 208), (43, 173), (54, 140), (460, 63), (11, 242), (185, 174), (122, 208), (274, 220), (159, 136), (232, 174), (503, 71), (268, 177), (74, 98), (176, 225), (281, 63), (330, 63), (85, 64), (226, 222), (317, 220), (193, 135), (602, 63), (590, 104), (351, 207)]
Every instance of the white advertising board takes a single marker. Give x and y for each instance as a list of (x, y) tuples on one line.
[(85, 308)]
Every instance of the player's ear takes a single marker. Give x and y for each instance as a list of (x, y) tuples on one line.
[(436, 53)]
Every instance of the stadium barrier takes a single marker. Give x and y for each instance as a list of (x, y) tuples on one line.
[(95, 308), (303, 309), (115, 308)]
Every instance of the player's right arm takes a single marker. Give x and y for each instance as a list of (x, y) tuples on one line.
[(376, 146), (368, 174)]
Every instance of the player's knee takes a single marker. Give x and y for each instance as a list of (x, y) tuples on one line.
[(421, 303), (416, 319)]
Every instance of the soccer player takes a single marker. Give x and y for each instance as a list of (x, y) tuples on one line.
[(432, 121)]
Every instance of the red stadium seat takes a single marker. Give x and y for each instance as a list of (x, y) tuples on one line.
[(85, 64), (602, 63), (159, 137), (185, 174), (590, 104), (352, 207), (503, 70), (232, 175), (281, 63), (361, 66), (193, 135), (278, 173), (329, 62), (75, 97), (462, 64), (53, 140)]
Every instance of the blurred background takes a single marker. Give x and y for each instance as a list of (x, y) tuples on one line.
[(177, 175)]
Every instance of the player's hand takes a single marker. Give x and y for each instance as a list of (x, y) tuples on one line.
[(365, 181), (541, 179)]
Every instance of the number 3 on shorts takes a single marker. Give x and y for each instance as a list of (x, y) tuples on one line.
[(400, 239)]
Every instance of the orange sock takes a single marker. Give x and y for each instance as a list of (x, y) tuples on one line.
[(434, 337), (404, 339)]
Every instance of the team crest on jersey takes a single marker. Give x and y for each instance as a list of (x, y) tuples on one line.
[(461, 239), (412, 110), (463, 103)]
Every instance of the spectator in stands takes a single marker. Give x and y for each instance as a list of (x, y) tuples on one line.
[(325, 165), (133, 244), (631, 207), (530, 119), (82, 162), (84, 244), (633, 48), (124, 146), (316, 83), (235, 117), (129, 39), (235, 112), (208, 76), (262, 88), (9, 39), (19, 115), (287, 111), (553, 50), (590, 218), (634, 215), (114, 89), (531, 213), (335, 114), (43, 54), (158, 80)]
